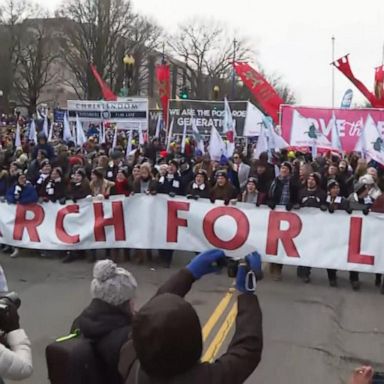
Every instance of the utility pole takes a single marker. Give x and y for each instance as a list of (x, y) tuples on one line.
[(233, 69)]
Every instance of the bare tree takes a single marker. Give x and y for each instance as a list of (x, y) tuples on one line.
[(145, 38), (207, 51), (95, 32), (26, 53), (35, 56)]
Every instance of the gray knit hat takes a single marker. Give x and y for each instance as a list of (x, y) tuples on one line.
[(112, 284)]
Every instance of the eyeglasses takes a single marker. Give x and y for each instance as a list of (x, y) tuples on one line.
[(236, 157)]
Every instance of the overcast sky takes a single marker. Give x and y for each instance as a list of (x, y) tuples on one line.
[(292, 38)]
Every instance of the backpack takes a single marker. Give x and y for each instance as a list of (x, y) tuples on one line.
[(72, 360)]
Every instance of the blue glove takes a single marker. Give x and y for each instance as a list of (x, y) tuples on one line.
[(204, 263), (247, 272)]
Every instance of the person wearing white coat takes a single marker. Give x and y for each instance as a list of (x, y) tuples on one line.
[(16, 357), (16, 362)]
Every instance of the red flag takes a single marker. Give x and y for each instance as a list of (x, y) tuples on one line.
[(343, 66), (264, 93), (108, 95), (379, 83), (163, 76)]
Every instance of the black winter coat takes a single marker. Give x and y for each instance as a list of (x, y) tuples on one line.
[(234, 367), (276, 191), (167, 186), (109, 328), (194, 190)]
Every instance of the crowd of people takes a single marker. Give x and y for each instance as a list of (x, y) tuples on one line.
[(58, 172)]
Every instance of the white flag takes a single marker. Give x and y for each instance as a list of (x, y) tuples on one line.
[(305, 134), (275, 141), (80, 137), (32, 132), (50, 135), (228, 123), (183, 140), (196, 134), (102, 139), (262, 143), (217, 147), (372, 143), (114, 142), (45, 126), (67, 134), (336, 142), (158, 125), (253, 121), (141, 136), (129, 144), (18, 136), (170, 133)]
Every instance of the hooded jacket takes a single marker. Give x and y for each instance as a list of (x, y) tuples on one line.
[(108, 326), (166, 341), (22, 194)]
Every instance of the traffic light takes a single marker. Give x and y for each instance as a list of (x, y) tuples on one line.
[(183, 94)]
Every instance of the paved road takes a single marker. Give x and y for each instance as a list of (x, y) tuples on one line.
[(313, 333)]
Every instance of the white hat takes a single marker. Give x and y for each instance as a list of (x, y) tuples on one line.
[(112, 284), (367, 179)]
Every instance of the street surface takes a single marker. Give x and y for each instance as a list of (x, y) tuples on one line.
[(312, 333)]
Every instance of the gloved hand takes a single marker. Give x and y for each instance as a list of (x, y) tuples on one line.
[(11, 319), (247, 272), (203, 263)]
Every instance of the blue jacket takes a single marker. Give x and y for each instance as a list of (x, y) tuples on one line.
[(27, 195)]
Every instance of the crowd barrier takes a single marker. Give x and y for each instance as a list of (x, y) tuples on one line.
[(307, 237)]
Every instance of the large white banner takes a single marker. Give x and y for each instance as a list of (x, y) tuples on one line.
[(129, 111), (307, 237)]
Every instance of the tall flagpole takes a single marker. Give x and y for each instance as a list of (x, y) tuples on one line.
[(333, 72)]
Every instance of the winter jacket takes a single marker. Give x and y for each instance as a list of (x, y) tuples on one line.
[(276, 191), (186, 177), (108, 326), (226, 192), (313, 199), (338, 203), (378, 205), (168, 185), (16, 361), (22, 194), (202, 191), (183, 345), (359, 204), (122, 187), (111, 172), (47, 148), (53, 190), (141, 186), (79, 191)]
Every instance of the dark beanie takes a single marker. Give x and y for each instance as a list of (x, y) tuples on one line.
[(288, 165), (166, 334)]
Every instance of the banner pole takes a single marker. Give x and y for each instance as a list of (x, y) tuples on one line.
[(333, 72)]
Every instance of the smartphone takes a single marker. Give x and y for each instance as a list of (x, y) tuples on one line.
[(378, 378)]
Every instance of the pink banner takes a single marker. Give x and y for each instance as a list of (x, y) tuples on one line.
[(349, 122)]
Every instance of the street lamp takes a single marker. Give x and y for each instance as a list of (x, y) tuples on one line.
[(129, 62), (216, 91)]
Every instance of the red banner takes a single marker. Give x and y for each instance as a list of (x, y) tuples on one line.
[(163, 77), (379, 82), (107, 93), (344, 67), (263, 92)]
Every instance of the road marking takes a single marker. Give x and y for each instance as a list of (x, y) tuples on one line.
[(221, 335), (217, 313)]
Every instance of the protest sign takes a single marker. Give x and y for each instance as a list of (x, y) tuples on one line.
[(338, 241)]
